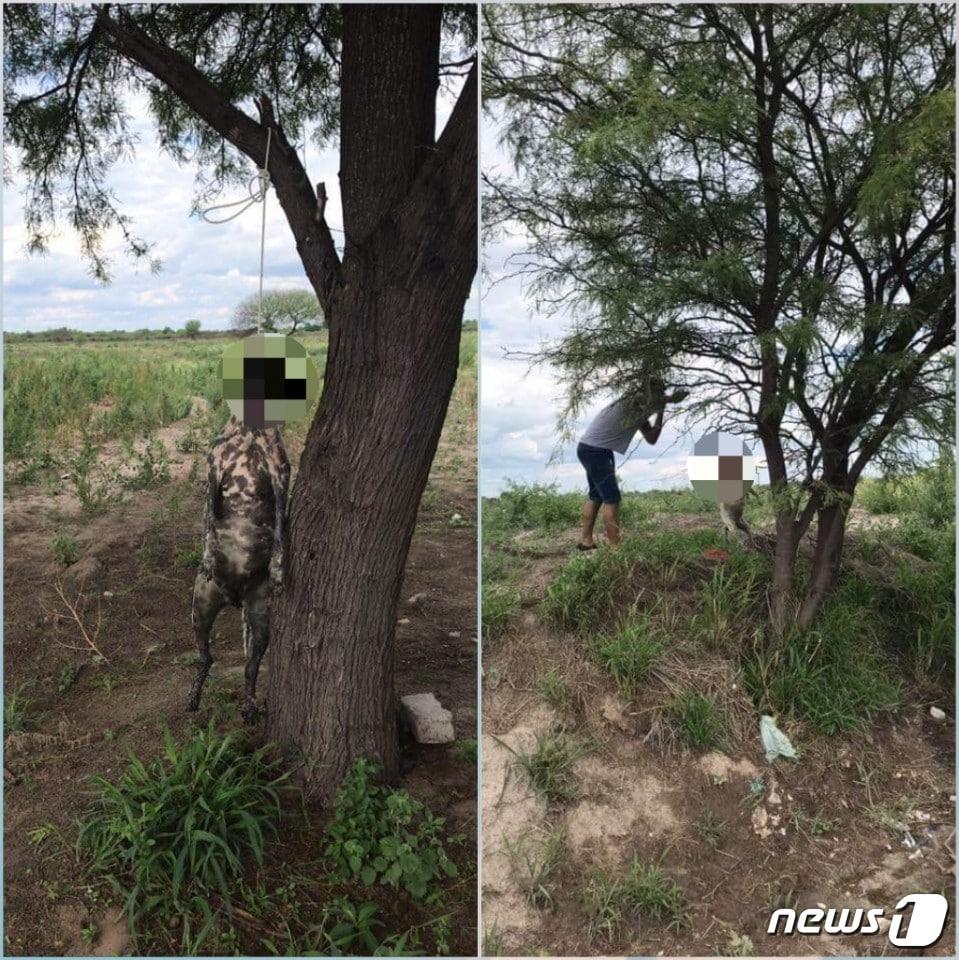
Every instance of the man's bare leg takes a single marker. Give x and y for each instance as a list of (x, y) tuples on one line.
[(611, 523), (590, 513)]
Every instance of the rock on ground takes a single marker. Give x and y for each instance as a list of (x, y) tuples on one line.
[(428, 720)]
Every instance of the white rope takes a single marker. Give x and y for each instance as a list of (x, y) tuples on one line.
[(258, 187)]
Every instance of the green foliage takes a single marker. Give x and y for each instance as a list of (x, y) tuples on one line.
[(697, 720), (643, 891), (500, 604), (553, 687), (66, 549), (835, 675), (192, 328), (280, 310), (630, 652), (177, 829), (378, 834), (17, 707), (67, 677)]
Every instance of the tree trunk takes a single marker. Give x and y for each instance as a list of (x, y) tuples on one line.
[(782, 601), (831, 524), (410, 222)]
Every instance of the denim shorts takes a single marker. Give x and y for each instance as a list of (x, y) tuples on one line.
[(600, 467)]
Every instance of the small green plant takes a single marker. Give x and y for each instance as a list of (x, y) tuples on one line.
[(535, 858), (90, 481), (466, 750), (67, 677), (554, 688), (189, 559), (385, 835), (16, 709), (178, 828), (697, 720), (89, 932), (642, 891), (629, 652), (65, 549), (151, 466), (709, 828), (736, 945), (549, 766)]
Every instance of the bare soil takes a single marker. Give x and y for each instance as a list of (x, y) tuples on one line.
[(860, 820), (133, 600)]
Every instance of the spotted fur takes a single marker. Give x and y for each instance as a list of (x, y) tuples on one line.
[(248, 478)]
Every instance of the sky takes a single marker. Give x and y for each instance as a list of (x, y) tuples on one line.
[(520, 405), (207, 269)]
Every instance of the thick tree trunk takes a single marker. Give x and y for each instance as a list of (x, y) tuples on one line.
[(410, 221), (827, 557), (782, 600)]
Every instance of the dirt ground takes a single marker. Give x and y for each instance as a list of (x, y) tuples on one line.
[(860, 820), (134, 602)]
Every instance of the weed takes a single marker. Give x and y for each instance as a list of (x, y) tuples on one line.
[(629, 652), (549, 766), (500, 604), (494, 944), (697, 720), (726, 607), (175, 830), (466, 751), (554, 688), (385, 835), (151, 466), (709, 828), (189, 559), (65, 549), (67, 677), (535, 860), (16, 709), (642, 891)]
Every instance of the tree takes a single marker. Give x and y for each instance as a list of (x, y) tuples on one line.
[(280, 310), (758, 201), (192, 328), (369, 76)]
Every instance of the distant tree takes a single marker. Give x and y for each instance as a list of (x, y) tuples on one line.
[(281, 310), (192, 328), (757, 201)]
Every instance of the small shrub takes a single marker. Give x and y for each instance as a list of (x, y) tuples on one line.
[(178, 828), (65, 549), (151, 466), (466, 750), (697, 720), (381, 834), (629, 653), (67, 677), (189, 559)]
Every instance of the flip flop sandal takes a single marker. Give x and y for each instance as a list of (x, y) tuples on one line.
[(584, 548)]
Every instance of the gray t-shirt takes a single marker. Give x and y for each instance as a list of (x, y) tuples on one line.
[(614, 427)]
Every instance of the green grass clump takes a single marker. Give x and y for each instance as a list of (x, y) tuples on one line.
[(728, 607), (17, 708), (178, 829), (549, 765), (835, 676), (642, 892), (66, 549), (629, 652), (553, 687), (378, 834), (500, 603), (585, 591), (697, 720)]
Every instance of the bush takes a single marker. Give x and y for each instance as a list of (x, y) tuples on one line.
[(65, 548), (177, 829), (381, 834)]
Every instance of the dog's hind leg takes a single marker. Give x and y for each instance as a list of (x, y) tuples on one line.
[(208, 601), (256, 626)]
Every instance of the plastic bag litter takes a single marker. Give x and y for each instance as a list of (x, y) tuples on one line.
[(775, 742)]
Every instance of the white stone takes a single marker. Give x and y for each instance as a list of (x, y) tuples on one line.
[(937, 714), (428, 719)]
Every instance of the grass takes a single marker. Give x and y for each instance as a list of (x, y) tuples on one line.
[(500, 604), (630, 652), (66, 549), (549, 765), (177, 830), (709, 828), (17, 710), (643, 891), (553, 687), (536, 858), (697, 720)]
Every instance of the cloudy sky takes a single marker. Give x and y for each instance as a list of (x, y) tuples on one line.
[(206, 271), (521, 406)]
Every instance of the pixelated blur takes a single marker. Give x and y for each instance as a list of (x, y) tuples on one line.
[(269, 379), (721, 467)]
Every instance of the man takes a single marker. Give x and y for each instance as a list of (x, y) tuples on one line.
[(613, 429)]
